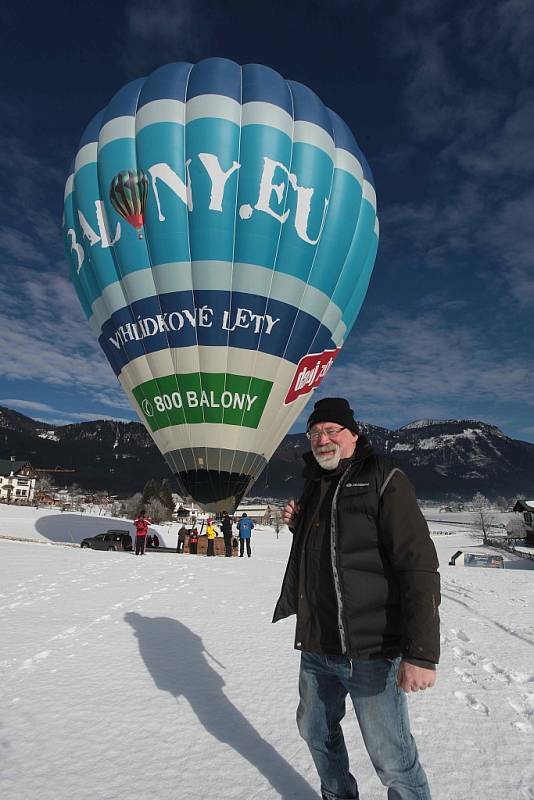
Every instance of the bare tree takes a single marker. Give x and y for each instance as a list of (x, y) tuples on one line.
[(43, 486), (484, 518), (503, 503), (118, 508), (133, 505), (157, 511)]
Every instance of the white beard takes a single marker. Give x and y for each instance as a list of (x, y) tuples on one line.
[(330, 461)]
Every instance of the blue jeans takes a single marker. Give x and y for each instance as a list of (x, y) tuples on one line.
[(382, 713)]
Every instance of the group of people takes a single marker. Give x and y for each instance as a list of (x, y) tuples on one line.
[(244, 527), (244, 530)]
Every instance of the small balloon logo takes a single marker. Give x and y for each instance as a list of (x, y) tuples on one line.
[(128, 194)]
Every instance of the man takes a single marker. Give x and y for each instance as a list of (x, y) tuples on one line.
[(182, 533), (362, 579), (142, 524), (227, 534), (244, 526)]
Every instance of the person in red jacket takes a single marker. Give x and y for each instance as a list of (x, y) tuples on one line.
[(193, 541), (142, 524)]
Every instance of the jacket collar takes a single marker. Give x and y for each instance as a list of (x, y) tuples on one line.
[(312, 470)]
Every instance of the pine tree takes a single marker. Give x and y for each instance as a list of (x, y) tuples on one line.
[(165, 495), (151, 491)]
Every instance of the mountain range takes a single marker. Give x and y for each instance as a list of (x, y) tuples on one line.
[(445, 459)]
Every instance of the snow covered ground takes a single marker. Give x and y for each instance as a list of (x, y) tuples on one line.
[(162, 677)]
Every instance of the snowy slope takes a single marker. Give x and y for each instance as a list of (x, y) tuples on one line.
[(129, 678)]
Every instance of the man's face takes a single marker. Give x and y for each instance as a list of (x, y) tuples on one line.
[(330, 449)]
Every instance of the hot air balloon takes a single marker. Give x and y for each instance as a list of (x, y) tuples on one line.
[(260, 235), (128, 194)]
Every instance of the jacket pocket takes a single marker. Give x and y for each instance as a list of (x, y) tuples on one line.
[(355, 497)]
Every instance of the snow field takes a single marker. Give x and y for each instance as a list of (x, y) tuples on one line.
[(163, 677)]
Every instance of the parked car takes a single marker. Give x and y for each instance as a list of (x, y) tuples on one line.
[(110, 540)]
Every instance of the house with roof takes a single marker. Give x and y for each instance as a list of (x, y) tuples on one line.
[(261, 513), (526, 508), (17, 481)]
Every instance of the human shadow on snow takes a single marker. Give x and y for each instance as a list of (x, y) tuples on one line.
[(178, 662)]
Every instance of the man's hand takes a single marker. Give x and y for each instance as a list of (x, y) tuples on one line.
[(290, 512), (412, 678)]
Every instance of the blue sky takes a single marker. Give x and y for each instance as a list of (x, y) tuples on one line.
[(440, 98)]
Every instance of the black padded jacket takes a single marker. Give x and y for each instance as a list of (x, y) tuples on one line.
[(383, 563)]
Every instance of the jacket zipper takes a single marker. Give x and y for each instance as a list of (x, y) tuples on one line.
[(335, 571), (333, 553)]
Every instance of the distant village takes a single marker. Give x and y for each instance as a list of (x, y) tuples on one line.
[(22, 484)]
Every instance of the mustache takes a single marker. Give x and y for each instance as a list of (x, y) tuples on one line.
[(326, 448), (327, 452)]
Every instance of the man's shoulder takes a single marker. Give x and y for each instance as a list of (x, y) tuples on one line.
[(378, 465)]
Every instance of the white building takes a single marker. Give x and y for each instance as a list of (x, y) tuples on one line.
[(262, 513), (17, 481)]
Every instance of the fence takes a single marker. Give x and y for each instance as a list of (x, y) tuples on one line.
[(510, 548)]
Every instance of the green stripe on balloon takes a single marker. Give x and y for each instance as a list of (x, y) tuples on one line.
[(196, 397)]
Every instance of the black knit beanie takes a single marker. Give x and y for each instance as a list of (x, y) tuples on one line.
[(333, 409)]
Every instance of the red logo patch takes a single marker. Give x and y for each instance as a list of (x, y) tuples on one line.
[(310, 371)]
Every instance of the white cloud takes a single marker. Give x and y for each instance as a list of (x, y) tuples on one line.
[(29, 405), (178, 29), (406, 368)]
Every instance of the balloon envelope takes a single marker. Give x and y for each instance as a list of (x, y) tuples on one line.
[(260, 235)]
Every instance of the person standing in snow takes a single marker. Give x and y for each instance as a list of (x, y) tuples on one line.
[(142, 524), (362, 580), (227, 534), (244, 527), (182, 533), (193, 541), (210, 530)]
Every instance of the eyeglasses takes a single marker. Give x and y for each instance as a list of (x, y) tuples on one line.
[(331, 433)]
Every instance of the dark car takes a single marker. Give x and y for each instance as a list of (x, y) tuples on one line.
[(110, 540)]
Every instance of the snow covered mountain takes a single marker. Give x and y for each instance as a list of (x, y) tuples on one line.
[(444, 458)]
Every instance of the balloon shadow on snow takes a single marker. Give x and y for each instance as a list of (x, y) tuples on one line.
[(177, 660), (72, 528)]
